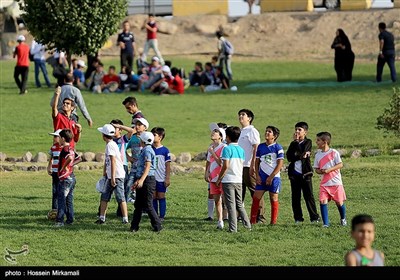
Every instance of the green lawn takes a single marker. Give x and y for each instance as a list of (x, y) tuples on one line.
[(348, 111)]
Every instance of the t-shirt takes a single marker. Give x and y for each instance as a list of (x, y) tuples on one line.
[(146, 155), (122, 144), (66, 153), (128, 39), (325, 160), (54, 153), (61, 121), (134, 146), (110, 78), (235, 154), (176, 83), (78, 74), (151, 34), (269, 156), (388, 40), (162, 157), (22, 51), (215, 168), (249, 136), (112, 150)]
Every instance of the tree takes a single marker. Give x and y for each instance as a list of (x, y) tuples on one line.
[(390, 119), (80, 27)]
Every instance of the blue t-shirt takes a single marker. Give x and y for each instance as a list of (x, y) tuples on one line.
[(79, 74), (269, 156), (146, 155), (134, 146), (235, 154)]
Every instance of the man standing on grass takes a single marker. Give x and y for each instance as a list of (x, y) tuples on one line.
[(22, 68), (387, 53)]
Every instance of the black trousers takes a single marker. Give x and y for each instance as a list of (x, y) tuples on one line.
[(299, 184), (127, 60), (23, 72), (144, 200)]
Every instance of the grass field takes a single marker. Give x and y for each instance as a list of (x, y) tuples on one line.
[(348, 111)]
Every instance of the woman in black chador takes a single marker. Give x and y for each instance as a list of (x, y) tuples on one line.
[(344, 56)]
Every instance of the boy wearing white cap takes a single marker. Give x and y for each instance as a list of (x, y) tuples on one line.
[(114, 170), (22, 68), (145, 184), (213, 168)]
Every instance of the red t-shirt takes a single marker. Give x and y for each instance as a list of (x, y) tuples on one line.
[(151, 34), (22, 51), (67, 152), (176, 83), (107, 79), (61, 121)]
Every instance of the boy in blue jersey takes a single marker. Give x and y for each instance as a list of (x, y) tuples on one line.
[(145, 184), (269, 161), (163, 172), (231, 178)]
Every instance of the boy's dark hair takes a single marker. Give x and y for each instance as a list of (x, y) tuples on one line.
[(69, 78), (111, 67), (209, 64), (151, 15), (125, 21), (249, 113), (219, 68), (222, 125), (199, 64), (117, 121), (174, 71), (325, 136), (168, 63), (214, 57), (233, 132), (130, 100), (303, 125), (382, 25), (218, 34), (361, 219), (160, 131), (66, 134), (275, 131), (101, 64)]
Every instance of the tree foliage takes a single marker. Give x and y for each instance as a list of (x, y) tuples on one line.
[(77, 26), (389, 121)]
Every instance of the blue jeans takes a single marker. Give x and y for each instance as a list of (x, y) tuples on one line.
[(389, 58), (66, 200), (41, 64), (54, 183)]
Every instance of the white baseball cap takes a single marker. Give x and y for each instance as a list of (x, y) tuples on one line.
[(142, 121), (107, 129), (81, 63), (21, 38), (165, 68), (147, 137), (56, 133), (155, 58), (214, 126)]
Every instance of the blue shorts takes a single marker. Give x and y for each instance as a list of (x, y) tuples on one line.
[(160, 187), (275, 187), (118, 190)]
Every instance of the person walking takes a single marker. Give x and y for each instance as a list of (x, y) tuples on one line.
[(224, 57), (387, 53), (38, 51), (22, 68), (344, 56), (152, 42)]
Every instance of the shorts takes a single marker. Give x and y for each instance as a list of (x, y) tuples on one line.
[(214, 189), (335, 193), (275, 187), (160, 187), (118, 190)]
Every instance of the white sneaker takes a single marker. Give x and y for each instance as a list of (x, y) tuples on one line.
[(343, 222), (220, 225)]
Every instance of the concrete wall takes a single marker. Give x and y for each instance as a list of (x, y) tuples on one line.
[(190, 7), (288, 5)]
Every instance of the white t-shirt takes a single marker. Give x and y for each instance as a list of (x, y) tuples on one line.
[(249, 136), (112, 150)]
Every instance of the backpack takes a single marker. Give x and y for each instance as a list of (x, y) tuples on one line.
[(228, 47)]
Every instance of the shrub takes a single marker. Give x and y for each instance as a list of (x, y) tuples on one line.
[(389, 121)]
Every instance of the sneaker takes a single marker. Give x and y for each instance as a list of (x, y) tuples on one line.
[(124, 222), (99, 222), (298, 222), (58, 224), (343, 222), (208, 219), (325, 226), (315, 221), (161, 220), (220, 225)]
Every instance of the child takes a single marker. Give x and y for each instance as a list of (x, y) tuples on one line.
[(114, 170), (231, 178), (65, 192), (213, 168), (300, 173), (163, 172), (269, 161), (328, 163), (52, 167), (363, 232), (145, 184)]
